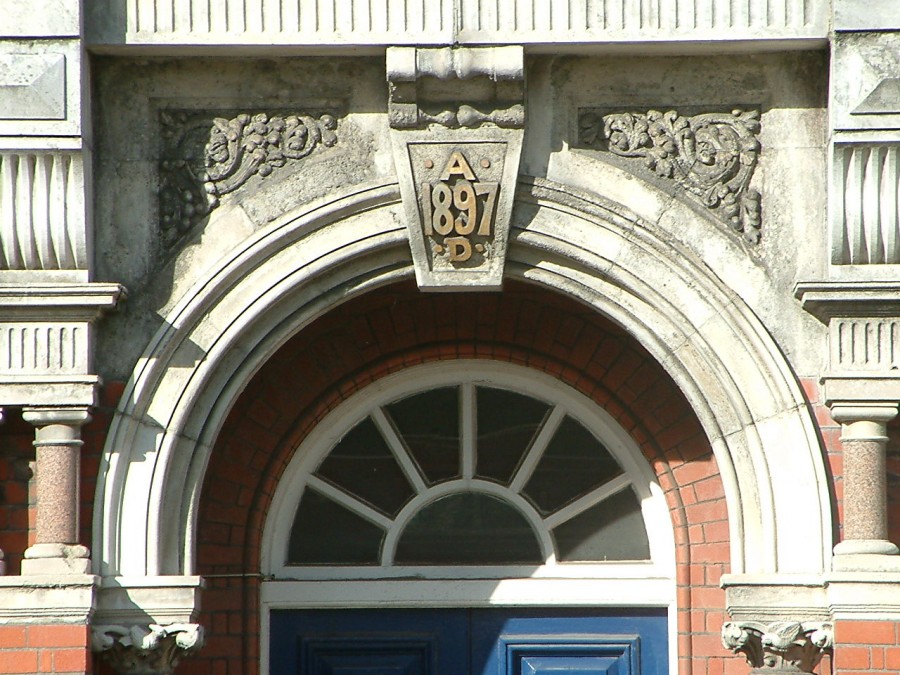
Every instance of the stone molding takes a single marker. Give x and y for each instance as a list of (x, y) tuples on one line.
[(426, 86), (41, 88), (863, 335), (779, 647), (711, 156), (753, 413), (42, 211), (352, 22), (864, 208), (45, 341), (205, 156), (146, 650), (47, 599)]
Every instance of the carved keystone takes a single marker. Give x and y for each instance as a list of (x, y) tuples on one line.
[(151, 650), (781, 647), (457, 122)]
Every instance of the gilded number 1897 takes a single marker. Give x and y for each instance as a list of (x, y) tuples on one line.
[(455, 210)]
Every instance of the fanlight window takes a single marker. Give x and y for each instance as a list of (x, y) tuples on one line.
[(467, 474)]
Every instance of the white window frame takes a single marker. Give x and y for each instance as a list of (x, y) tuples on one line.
[(599, 584)]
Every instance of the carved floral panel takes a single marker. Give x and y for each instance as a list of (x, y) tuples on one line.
[(711, 156), (205, 156)]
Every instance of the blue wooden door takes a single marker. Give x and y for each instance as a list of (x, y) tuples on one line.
[(468, 642)]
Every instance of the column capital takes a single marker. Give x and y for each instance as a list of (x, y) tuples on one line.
[(146, 649), (849, 412), (780, 647), (75, 416)]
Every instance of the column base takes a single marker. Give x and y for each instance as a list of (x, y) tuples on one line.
[(43, 559), (865, 547)]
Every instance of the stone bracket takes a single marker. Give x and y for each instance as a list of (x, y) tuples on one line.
[(146, 650), (779, 647), (457, 125)]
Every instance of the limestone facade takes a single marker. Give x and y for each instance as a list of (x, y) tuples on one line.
[(222, 221)]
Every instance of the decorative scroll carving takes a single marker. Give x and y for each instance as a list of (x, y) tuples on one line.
[(781, 647), (712, 155), (154, 650), (205, 157)]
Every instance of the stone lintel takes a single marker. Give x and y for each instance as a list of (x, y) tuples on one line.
[(41, 390)]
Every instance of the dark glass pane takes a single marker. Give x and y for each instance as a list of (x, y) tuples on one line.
[(506, 424), (610, 530), (468, 529), (362, 464), (573, 464), (326, 533), (429, 424)]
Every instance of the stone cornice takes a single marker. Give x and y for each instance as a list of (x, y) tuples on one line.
[(827, 300), (73, 301)]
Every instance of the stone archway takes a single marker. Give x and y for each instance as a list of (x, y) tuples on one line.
[(701, 332)]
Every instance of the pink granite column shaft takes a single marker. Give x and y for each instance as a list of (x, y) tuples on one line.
[(864, 440), (57, 466)]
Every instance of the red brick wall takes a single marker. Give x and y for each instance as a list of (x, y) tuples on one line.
[(397, 327), (45, 649), (16, 488), (866, 647)]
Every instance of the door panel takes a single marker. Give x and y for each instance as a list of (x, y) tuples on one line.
[(528, 641), (468, 642), (369, 642)]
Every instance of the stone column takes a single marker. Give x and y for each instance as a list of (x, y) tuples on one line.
[(57, 472), (864, 438)]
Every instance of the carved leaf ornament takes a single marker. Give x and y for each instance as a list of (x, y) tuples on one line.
[(779, 647), (205, 157), (712, 155)]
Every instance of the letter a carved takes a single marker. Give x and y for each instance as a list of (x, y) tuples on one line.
[(457, 166)]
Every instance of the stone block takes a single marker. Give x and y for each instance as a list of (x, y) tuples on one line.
[(41, 18), (40, 87), (865, 15), (865, 81)]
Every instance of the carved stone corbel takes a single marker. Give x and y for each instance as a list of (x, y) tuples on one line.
[(457, 120), (780, 647), (150, 650)]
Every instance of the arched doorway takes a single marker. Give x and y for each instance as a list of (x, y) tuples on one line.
[(734, 388), (468, 486)]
